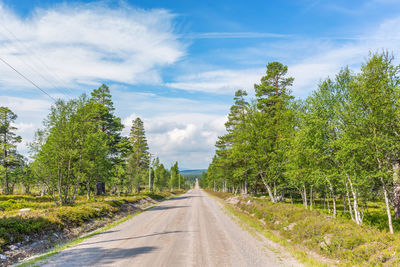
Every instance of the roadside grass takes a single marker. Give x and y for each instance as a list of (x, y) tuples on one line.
[(338, 241), (297, 252), (78, 240), (73, 242), (45, 216), (374, 212)]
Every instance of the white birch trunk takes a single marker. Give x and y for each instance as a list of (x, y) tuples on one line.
[(357, 215), (349, 202), (305, 196), (333, 198), (389, 214), (268, 189)]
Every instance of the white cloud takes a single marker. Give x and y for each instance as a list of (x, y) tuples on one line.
[(31, 113), (149, 104), (187, 138), (20, 104), (327, 62), (192, 133), (309, 60), (84, 44), (24, 127), (88, 43), (177, 129), (222, 81), (235, 35)]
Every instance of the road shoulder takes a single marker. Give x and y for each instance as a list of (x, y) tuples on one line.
[(289, 254)]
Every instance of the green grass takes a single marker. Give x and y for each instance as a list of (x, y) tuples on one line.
[(59, 248), (78, 240), (374, 212), (45, 216), (302, 230)]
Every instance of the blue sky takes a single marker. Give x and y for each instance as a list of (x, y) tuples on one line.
[(176, 64)]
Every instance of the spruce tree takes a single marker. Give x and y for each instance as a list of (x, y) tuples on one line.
[(139, 155)]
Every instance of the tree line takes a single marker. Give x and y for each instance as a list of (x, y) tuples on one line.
[(80, 146), (341, 143)]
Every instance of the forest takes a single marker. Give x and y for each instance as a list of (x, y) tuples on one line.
[(79, 147), (339, 146)]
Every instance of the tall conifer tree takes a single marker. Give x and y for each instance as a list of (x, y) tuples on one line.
[(139, 156)]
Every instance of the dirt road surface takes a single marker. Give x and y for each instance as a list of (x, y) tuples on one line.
[(190, 230)]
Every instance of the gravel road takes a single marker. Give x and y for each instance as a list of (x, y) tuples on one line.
[(190, 230)]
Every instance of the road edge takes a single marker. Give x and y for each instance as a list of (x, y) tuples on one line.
[(249, 224), (75, 241)]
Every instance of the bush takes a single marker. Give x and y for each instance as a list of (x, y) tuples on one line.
[(14, 229)]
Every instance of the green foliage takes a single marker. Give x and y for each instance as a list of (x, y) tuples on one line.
[(342, 142), (11, 161), (139, 157), (81, 145)]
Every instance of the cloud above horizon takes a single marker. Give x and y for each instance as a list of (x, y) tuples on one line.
[(71, 45), (186, 137), (180, 82), (309, 60)]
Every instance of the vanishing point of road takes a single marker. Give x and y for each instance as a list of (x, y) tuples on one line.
[(190, 230)]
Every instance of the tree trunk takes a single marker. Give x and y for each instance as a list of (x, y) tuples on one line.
[(357, 214), (304, 196), (389, 215), (42, 191), (5, 165), (245, 183), (329, 208), (138, 188), (333, 198), (268, 189), (396, 189), (334, 205), (311, 197), (87, 191), (349, 202)]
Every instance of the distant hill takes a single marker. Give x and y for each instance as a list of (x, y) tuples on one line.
[(193, 172)]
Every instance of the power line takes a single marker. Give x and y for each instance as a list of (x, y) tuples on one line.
[(63, 89), (26, 78)]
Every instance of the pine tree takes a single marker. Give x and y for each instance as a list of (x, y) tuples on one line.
[(109, 123), (102, 96), (274, 125)]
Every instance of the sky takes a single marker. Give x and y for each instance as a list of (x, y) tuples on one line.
[(176, 64)]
